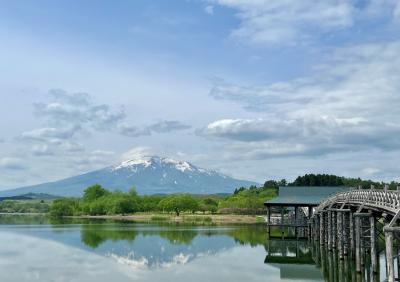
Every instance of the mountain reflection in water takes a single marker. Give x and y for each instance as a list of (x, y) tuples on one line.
[(37, 249)]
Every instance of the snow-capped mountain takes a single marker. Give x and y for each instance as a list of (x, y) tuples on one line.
[(150, 175)]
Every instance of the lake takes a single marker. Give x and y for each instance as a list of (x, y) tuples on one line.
[(34, 248)]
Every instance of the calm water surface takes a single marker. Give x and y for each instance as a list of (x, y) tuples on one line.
[(34, 249)]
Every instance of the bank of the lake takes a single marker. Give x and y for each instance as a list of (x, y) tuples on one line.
[(216, 219)]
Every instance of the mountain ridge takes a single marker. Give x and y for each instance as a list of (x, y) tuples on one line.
[(148, 174)]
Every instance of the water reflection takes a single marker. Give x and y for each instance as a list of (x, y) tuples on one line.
[(150, 252), (311, 262), (335, 269)]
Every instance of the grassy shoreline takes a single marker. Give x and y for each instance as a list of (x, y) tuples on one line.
[(216, 219)]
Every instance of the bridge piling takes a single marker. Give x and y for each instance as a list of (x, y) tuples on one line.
[(349, 225), (345, 236), (351, 235), (374, 254), (330, 235), (389, 256), (339, 215), (358, 243), (321, 229), (334, 226)]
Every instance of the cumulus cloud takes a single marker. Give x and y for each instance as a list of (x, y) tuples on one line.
[(12, 164), (209, 9), (351, 104), (42, 150), (50, 133), (163, 126), (78, 108), (137, 153), (289, 22), (68, 113)]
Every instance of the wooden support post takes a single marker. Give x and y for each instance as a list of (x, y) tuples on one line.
[(310, 226), (269, 221), (340, 233), (334, 227), (345, 234), (296, 234), (351, 235), (362, 241), (282, 220), (321, 229), (358, 243), (374, 252), (389, 255), (330, 235), (326, 225), (398, 258)]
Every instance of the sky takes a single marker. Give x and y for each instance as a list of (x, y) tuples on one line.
[(255, 89)]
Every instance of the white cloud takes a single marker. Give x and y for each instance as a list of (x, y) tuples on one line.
[(163, 126), (78, 109), (42, 150), (209, 9), (137, 153), (10, 163), (370, 171), (50, 133), (350, 104), (288, 22)]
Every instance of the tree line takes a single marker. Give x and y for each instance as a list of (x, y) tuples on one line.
[(97, 200), (334, 180)]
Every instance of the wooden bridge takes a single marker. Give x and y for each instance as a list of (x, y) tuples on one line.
[(360, 224)]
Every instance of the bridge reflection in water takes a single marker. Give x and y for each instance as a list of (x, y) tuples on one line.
[(307, 261)]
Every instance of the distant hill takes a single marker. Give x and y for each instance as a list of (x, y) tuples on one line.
[(150, 175), (30, 196)]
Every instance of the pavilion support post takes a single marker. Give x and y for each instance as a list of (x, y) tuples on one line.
[(330, 235), (389, 256), (321, 229), (340, 233), (358, 243), (374, 252)]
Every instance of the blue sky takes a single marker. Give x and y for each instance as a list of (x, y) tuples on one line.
[(256, 89)]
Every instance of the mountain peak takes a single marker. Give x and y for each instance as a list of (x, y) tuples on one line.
[(154, 161)]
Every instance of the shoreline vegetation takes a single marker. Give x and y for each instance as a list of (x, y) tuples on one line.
[(244, 206), (208, 219)]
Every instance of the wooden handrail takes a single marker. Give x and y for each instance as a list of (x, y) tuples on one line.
[(387, 200)]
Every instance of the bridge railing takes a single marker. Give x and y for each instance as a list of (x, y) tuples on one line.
[(388, 200)]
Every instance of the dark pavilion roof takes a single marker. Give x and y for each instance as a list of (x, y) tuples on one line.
[(310, 195)]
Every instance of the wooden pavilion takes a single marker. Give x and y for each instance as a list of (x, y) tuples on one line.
[(288, 214)]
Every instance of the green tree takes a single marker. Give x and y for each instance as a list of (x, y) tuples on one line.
[(94, 192), (271, 184), (179, 203), (63, 207)]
